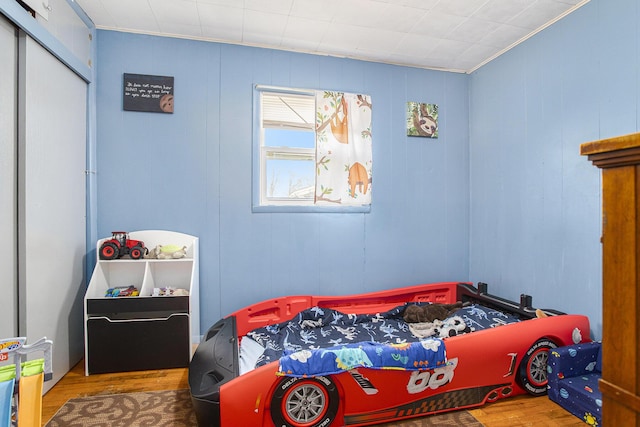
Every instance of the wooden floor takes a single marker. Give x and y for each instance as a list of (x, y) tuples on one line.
[(521, 411)]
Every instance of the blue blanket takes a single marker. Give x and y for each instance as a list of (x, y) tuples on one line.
[(426, 354)]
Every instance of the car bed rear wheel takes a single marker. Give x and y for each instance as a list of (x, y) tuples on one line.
[(532, 374), (304, 402)]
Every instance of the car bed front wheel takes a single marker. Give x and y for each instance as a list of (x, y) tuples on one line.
[(304, 402), (532, 373)]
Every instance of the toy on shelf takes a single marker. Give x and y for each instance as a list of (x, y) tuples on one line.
[(168, 252), (122, 291), (169, 291), (120, 245), (21, 381)]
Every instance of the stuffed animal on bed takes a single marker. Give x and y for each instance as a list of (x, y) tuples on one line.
[(447, 328), (429, 312), (435, 320)]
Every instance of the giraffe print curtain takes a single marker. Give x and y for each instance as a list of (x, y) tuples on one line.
[(343, 149)]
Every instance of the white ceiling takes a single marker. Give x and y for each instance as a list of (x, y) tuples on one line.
[(453, 35)]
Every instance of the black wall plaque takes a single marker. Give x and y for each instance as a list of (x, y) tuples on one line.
[(142, 92)]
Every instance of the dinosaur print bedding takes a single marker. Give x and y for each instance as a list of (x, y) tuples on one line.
[(322, 341)]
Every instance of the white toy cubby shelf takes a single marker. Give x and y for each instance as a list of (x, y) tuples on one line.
[(131, 333)]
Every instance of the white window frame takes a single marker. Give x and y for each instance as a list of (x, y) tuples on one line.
[(261, 203), (284, 153)]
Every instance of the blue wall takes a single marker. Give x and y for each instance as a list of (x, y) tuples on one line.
[(192, 172), (503, 195), (535, 202)]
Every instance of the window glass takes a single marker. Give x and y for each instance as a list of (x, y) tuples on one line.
[(289, 138), (290, 178), (288, 141)]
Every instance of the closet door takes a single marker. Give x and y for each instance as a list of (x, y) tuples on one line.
[(8, 179), (51, 203)]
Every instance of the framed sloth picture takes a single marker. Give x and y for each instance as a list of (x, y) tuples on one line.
[(422, 120)]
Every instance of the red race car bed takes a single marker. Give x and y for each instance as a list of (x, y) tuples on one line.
[(302, 361)]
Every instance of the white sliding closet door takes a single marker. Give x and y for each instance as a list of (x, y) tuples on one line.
[(52, 209), (8, 179)]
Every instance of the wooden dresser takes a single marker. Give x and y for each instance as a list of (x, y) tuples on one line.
[(619, 159)]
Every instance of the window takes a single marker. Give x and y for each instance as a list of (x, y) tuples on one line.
[(304, 155), (288, 142)]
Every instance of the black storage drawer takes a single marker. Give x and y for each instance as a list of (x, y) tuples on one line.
[(139, 343), (120, 306)]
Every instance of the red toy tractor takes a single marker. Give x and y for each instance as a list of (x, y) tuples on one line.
[(120, 245)]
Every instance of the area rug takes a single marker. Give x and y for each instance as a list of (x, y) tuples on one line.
[(172, 408), (450, 419)]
